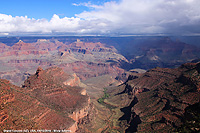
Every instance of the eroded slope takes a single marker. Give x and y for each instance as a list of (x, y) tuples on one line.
[(21, 59), (44, 102), (156, 100)]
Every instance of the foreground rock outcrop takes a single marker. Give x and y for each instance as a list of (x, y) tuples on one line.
[(156, 100), (44, 102)]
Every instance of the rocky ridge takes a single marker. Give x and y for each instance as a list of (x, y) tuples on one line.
[(75, 57), (44, 102), (156, 100)]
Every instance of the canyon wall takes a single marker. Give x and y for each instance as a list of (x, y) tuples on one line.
[(156, 100), (77, 57), (44, 101)]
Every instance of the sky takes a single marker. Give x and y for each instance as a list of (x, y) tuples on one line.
[(99, 17)]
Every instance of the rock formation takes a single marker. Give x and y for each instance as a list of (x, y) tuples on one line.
[(79, 57), (44, 102), (156, 100), (51, 98), (163, 52)]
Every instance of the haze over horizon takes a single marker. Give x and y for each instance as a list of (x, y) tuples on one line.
[(106, 17)]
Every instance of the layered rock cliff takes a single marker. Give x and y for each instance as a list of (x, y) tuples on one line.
[(156, 100), (77, 57), (44, 102), (20, 111)]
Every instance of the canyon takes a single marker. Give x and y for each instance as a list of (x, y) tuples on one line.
[(90, 56), (98, 84), (156, 100), (86, 59)]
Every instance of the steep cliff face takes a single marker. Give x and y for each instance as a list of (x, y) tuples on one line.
[(19, 111), (22, 48), (85, 70), (77, 57), (48, 85), (170, 91), (156, 100), (73, 81), (44, 102), (80, 114), (90, 46)]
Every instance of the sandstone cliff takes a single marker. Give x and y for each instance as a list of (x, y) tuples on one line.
[(44, 102), (19, 111), (77, 57)]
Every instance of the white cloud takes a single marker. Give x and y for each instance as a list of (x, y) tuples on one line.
[(126, 16), (148, 16), (88, 4), (9, 24)]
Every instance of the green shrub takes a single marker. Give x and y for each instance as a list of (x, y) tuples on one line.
[(106, 95)]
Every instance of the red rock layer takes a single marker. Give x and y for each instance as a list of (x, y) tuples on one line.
[(89, 46), (160, 98), (48, 85), (26, 57), (85, 70), (19, 111), (44, 102)]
